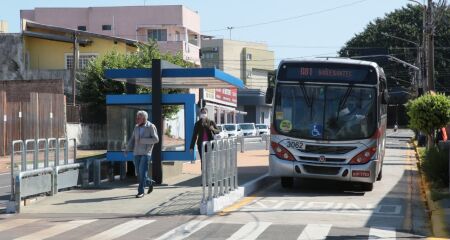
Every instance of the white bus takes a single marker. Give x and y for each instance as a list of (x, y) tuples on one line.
[(329, 121)]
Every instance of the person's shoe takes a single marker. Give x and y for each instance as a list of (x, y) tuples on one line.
[(139, 195), (150, 189)]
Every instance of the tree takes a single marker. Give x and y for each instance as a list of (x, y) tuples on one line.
[(428, 113), (404, 23), (93, 86)]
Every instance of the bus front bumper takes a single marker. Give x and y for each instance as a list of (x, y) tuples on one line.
[(341, 172)]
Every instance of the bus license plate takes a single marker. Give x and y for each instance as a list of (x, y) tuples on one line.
[(296, 144), (358, 173)]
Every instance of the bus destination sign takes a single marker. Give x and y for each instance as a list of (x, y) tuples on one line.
[(326, 74)]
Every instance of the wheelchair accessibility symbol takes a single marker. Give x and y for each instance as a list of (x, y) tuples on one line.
[(316, 130)]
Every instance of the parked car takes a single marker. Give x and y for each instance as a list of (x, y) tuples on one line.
[(222, 134), (233, 130), (263, 129), (248, 129)]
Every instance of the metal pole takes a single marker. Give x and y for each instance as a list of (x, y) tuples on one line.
[(75, 66), (430, 43), (157, 173)]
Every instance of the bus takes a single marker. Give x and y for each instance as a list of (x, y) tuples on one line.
[(329, 121)]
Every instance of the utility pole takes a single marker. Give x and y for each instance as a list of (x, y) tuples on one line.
[(75, 58), (430, 46)]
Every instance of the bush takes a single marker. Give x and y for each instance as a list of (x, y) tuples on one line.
[(435, 166)]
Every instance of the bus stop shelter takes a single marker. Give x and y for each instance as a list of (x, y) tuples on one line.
[(166, 75)]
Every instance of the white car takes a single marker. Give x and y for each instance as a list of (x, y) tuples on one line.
[(248, 129), (263, 129), (222, 134), (233, 130)]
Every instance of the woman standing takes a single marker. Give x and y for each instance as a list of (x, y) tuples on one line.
[(204, 130)]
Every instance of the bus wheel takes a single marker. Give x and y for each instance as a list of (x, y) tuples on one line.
[(287, 182), (380, 175), (367, 187)]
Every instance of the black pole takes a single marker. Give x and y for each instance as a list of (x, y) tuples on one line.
[(157, 119)]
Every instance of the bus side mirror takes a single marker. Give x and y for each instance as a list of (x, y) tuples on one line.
[(385, 97), (269, 95)]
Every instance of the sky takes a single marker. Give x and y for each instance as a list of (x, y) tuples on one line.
[(292, 29)]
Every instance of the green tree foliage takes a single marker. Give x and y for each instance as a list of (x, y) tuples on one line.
[(93, 86), (428, 113), (404, 23)]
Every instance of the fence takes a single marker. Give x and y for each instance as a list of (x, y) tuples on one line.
[(219, 174), (40, 175), (42, 115)]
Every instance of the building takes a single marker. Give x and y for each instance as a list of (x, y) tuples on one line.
[(175, 28), (46, 52), (251, 62), (3, 26)]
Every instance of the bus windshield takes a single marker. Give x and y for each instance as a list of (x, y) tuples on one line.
[(325, 112)]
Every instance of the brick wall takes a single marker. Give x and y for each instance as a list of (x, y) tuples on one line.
[(19, 90)]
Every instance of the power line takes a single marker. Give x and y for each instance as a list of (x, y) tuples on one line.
[(290, 18)]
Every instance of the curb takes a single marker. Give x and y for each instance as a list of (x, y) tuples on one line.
[(436, 213), (217, 205)]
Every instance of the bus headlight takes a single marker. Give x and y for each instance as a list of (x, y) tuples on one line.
[(281, 152), (364, 156)]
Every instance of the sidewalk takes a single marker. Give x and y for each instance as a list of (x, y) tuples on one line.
[(179, 195)]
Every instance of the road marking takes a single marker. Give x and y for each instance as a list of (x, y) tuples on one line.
[(250, 231), (1, 174), (5, 186), (120, 230), (184, 230), (234, 207), (56, 230), (315, 231), (382, 233), (15, 223)]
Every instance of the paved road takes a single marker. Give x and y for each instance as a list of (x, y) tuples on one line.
[(311, 210)]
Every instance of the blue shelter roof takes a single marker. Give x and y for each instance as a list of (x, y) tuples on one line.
[(178, 77)]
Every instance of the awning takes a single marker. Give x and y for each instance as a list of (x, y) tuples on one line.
[(178, 78)]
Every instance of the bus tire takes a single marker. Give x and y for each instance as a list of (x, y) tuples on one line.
[(380, 174), (287, 182)]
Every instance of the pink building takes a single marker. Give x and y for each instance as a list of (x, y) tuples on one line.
[(175, 27)]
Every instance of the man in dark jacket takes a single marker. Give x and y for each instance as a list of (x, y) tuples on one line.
[(204, 130)]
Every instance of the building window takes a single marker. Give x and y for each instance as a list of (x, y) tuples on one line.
[(157, 34), (82, 28), (106, 27), (82, 61), (249, 56)]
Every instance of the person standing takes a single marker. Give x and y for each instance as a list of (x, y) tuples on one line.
[(141, 142), (204, 130)]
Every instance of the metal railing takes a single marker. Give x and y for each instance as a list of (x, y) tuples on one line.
[(42, 178), (219, 168), (263, 137)]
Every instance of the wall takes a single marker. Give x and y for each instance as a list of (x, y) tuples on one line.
[(3, 26), (11, 57), (46, 54), (89, 136)]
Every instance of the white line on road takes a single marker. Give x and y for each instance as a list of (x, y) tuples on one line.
[(15, 223), (56, 230), (1, 174), (5, 186), (250, 231), (315, 231), (120, 230), (382, 233), (184, 230)]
